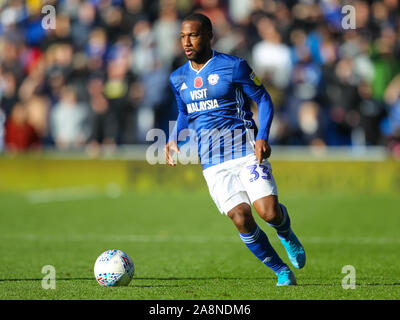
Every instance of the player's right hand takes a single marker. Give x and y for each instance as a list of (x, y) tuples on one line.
[(169, 148), (262, 150)]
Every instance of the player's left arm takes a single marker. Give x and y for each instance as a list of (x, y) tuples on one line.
[(247, 80)]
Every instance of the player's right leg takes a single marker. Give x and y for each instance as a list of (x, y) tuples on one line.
[(258, 243)]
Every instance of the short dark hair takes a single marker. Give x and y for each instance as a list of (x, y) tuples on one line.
[(203, 19)]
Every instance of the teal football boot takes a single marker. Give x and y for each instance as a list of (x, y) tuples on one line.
[(286, 278), (294, 250)]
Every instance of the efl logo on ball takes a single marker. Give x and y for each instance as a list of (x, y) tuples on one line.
[(114, 268)]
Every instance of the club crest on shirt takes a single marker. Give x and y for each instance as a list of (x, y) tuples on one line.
[(213, 79), (198, 82)]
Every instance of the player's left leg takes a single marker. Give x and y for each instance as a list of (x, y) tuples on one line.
[(276, 215), (262, 191)]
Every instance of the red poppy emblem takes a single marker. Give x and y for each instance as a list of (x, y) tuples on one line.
[(198, 82)]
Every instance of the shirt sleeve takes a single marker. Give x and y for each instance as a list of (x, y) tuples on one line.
[(182, 119), (246, 79)]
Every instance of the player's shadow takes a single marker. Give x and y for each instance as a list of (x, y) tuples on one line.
[(201, 278), (144, 278), (133, 284), (92, 279), (170, 281), (40, 279), (357, 284)]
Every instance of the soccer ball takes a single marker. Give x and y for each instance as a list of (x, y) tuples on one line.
[(114, 268)]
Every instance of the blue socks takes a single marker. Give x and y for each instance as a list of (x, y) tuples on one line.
[(283, 229), (258, 243)]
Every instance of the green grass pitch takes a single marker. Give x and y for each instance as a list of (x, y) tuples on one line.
[(184, 249)]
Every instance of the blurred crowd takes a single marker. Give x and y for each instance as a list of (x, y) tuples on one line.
[(100, 77)]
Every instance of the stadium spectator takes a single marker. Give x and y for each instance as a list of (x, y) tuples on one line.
[(277, 67), (310, 124), (81, 26), (20, 135), (2, 129), (166, 27), (103, 122), (372, 112), (391, 126), (9, 86), (144, 51), (69, 121), (117, 89), (38, 108), (96, 49)]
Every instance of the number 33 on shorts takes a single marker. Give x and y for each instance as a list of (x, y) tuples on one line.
[(257, 179), (259, 171)]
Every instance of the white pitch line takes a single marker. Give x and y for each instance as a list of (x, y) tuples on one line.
[(193, 239), (62, 194), (71, 194)]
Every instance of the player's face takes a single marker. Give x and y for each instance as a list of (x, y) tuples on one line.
[(194, 40)]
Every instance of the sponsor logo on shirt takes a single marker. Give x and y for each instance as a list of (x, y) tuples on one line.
[(203, 104)]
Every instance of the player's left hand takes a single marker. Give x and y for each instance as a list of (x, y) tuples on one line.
[(262, 150)]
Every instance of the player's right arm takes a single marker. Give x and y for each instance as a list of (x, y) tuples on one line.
[(181, 123)]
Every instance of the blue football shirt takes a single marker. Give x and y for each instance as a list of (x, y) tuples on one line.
[(214, 102)]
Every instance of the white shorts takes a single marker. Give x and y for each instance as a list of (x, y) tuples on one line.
[(240, 180)]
